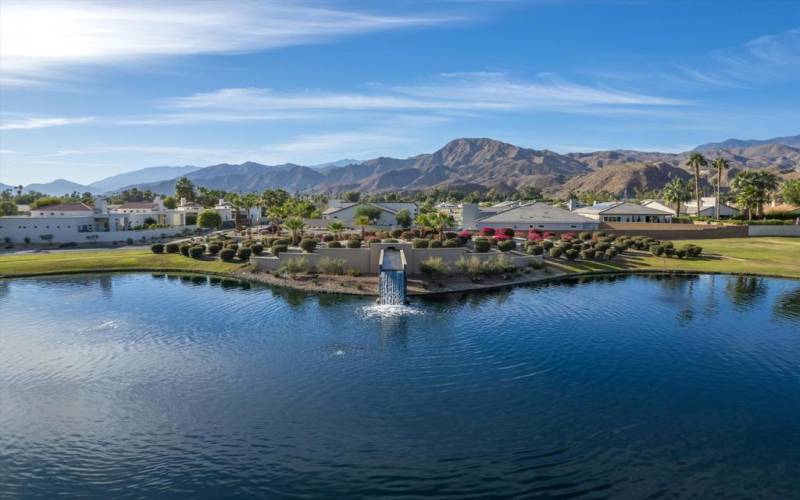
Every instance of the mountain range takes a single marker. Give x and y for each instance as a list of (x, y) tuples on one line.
[(467, 165)]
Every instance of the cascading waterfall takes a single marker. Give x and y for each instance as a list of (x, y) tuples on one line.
[(392, 279)]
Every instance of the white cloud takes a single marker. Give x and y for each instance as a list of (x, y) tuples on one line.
[(40, 122), (37, 38)]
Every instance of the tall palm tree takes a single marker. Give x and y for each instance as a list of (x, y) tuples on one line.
[(441, 221), (745, 185), (295, 225), (362, 221), (767, 183), (336, 227), (696, 161), (719, 165), (677, 192)]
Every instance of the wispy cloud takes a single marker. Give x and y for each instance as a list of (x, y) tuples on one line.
[(36, 38), (28, 123)]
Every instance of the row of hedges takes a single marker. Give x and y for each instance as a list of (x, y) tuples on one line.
[(599, 246), (198, 251)]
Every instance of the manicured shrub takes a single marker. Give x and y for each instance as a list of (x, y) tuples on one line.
[(353, 243), (487, 231), (308, 245), (656, 250), (407, 235), (157, 248), (534, 249), (294, 265), (598, 234), (506, 231), (481, 245), (328, 237), (547, 244), (232, 245), (435, 244), (389, 240), (587, 254), (329, 265), (610, 253), (281, 241), (680, 253), (227, 254), (214, 248), (534, 235), (334, 244), (244, 253), (692, 250), (568, 236), (556, 252), (396, 233), (257, 249), (185, 249), (196, 252), (449, 235), (602, 247), (585, 236), (171, 248), (433, 267), (566, 245), (419, 243), (454, 243), (278, 249), (571, 254), (669, 251), (129, 241), (506, 245)]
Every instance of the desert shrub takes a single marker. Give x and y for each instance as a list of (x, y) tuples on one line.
[(328, 237), (452, 243), (171, 248), (269, 241), (407, 235), (587, 254), (278, 249), (329, 265), (257, 248), (232, 245), (435, 244), (353, 272), (506, 245), (536, 264), (571, 254), (281, 241), (157, 248), (487, 231), (334, 244), (481, 245), (470, 265), (185, 249), (214, 248), (308, 245), (534, 249), (585, 236), (598, 234), (247, 243), (433, 267), (556, 252), (680, 253), (656, 250), (196, 252), (610, 253), (449, 235), (565, 245), (498, 264), (547, 244), (244, 253), (227, 254), (353, 243), (396, 233), (419, 243), (668, 244), (602, 247), (295, 265)]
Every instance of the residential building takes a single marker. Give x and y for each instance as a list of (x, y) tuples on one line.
[(623, 211), (347, 212), (707, 204), (539, 216)]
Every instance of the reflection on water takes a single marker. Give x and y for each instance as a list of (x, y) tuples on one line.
[(139, 386)]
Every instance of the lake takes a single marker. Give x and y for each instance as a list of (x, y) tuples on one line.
[(140, 386)]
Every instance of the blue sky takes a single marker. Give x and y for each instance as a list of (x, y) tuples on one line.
[(90, 89)]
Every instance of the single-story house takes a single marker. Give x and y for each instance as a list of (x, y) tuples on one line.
[(660, 205), (707, 208), (623, 211), (539, 216), (346, 212)]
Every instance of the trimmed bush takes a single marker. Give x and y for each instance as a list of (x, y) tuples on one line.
[(329, 265), (213, 248), (506, 245), (196, 252), (157, 248), (669, 251), (244, 253), (481, 245), (556, 252), (433, 267), (585, 236), (656, 250), (389, 240), (692, 250), (453, 243), (610, 253), (353, 243), (278, 249), (171, 248), (534, 249), (587, 254), (435, 244), (507, 231), (334, 244), (185, 249), (396, 233), (602, 247), (328, 237), (680, 253), (407, 235), (487, 231), (308, 245), (227, 254), (420, 243), (547, 244), (571, 254), (257, 249)]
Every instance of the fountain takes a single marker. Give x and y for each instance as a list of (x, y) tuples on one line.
[(392, 277)]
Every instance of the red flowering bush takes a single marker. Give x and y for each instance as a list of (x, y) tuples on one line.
[(487, 231), (568, 236), (507, 231), (534, 235), (465, 234), (502, 237), (549, 234)]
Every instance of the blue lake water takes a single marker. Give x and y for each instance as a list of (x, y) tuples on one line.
[(137, 386)]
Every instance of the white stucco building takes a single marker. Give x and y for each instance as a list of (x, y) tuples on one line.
[(707, 208), (539, 216), (623, 211), (347, 212)]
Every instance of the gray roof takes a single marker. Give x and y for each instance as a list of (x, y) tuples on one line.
[(535, 213), (621, 208), (333, 210)]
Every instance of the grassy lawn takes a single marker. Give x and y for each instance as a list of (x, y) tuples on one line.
[(105, 260), (773, 256)]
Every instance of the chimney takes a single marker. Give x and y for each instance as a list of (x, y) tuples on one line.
[(101, 205), (183, 201), (159, 203)]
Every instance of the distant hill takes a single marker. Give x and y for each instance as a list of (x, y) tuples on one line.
[(142, 176), (791, 140), (61, 187), (338, 163)]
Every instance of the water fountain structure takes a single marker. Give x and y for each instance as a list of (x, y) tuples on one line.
[(392, 277)]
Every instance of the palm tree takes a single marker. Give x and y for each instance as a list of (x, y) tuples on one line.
[(696, 161), (677, 192), (362, 221), (441, 221), (767, 183), (747, 190), (719, 165), (295, 225), (336, 227)]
